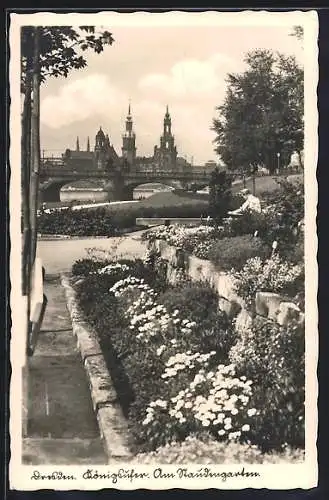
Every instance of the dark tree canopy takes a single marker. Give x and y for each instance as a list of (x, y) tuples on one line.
[(61, 49), (298, 32), (262, 114)]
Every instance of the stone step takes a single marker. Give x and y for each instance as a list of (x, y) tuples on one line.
[(60, 403)]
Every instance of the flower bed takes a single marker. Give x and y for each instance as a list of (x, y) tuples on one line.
[(210, 451), (189, 239), (233, 243), (177, 338)]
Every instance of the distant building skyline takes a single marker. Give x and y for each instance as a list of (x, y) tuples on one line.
[(183, 66), (104, 156)]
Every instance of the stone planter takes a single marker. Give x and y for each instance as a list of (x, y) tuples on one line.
[(267, 304)]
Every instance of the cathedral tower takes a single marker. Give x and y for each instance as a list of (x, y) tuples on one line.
[(129, 140), (100, 148), (165, 156)]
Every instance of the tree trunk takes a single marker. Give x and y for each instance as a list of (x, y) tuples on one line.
[(35, 144), (25, 184), (301, 163)]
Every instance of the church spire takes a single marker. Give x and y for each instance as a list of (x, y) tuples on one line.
[(167, 123), (128, 139), (78, 145), (88, 144)]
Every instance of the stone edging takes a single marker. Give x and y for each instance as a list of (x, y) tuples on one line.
[(59, 237), (111, 421)]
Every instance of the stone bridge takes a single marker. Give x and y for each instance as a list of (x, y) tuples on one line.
[(119, 184)]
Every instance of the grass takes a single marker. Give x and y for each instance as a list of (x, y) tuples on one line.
[(263, 184), (164, 199)]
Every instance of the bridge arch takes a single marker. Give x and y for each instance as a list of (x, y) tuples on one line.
[(130, 186), (50, 190)]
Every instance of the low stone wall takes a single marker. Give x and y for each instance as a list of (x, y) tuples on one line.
[(111, 421), (159, 221), (267, 304)]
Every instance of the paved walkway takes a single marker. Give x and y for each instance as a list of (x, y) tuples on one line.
[(62, 427), (59, 255)]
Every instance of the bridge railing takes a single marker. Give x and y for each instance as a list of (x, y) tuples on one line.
[(56, 167), (62, 170)]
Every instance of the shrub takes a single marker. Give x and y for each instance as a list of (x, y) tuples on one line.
[(236, 201), (219, 194), (209, 451), (273, 357), (83, 222), (282, 217), (198, 302), (228, 253), (84, 267), (247, 223)]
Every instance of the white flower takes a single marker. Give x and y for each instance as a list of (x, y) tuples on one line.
[(245, 427), (161, 403), (221, 432), (251, 412)]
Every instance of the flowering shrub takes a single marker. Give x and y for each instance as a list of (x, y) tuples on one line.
[(183, 237), (273, 357), (214, 399), (273, 274)]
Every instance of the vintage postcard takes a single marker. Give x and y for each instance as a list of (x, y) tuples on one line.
[(163, 266)]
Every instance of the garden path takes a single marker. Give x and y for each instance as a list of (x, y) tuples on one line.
[(58, 255), (62, 428)]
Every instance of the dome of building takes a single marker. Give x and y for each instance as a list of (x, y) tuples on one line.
[(100, 134)]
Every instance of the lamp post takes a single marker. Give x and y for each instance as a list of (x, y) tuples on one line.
[(278, 167), (254, 169)]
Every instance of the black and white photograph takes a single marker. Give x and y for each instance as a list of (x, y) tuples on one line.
[(163, 266)]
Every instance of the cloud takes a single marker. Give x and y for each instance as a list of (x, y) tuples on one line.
[(191, 76), (82, 99), (81, 105)]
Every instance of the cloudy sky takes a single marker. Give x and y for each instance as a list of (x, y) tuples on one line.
[(184, 67)]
